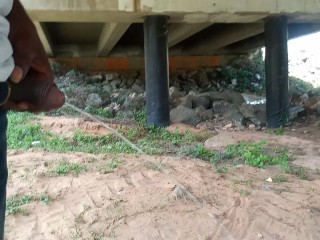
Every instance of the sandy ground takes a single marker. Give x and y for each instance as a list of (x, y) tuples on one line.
[(166, 197)]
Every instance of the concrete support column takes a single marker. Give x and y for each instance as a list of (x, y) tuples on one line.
[(277, 83), (157, 70)]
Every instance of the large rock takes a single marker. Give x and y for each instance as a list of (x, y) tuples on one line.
[(229, 112), (213, 96), (175, 93), (222, 107), (312, 103), (185, 115), (233, 97), (255, 113), (204, 114), (201, 101), (186, 101)]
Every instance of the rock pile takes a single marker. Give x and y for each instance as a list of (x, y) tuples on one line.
[(205, 98)]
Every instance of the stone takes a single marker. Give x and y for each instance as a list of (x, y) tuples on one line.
[(95, 78), (252, 127), (137, 88), (229, 112), (175, 93), (186, 101), (116, 83), (185, 115), (111, 76), (220, 141), (201, 78), (134, 102), (233, 97), (253, 99), (223, 107), (255, 113), (201, 101), (234, 82), (212, 96), (93, 100), (107, 88), (204, 114), (294, 111)]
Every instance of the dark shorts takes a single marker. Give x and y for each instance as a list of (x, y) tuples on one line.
[(3, 169)]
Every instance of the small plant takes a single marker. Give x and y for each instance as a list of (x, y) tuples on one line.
[(99, 111), (318, 171), (254, 154), (300, 172), (65, 167), (222, 169), (15, 203), (246, 182), (242, 191), (110, 166), (141, 117), (280, 178), (279, 131), (199, 151)]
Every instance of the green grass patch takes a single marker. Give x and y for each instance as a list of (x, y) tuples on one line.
[(15, 203), (280, 178), (255, 154), (300, 172), (111, 165), (102, 112), (242, 191), (246, 182), (65, 168), (23, 131)]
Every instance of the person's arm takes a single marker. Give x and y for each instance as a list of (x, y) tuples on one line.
[(35, 89)]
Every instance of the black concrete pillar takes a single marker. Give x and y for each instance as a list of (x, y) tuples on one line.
[(157, 71), (277, 83)]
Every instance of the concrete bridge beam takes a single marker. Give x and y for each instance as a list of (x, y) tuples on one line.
[(44, 37), (110, 35), (228, 35), (182, 31)]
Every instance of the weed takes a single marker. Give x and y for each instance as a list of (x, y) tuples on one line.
[(254, 154), (99, 111), (246, 182), (199, 151), (110, 166), (222, 169), (242, 191), (65, 167), (15, 203), (155, 166), (140, 117), (279, 131), (97, 236), (300, 172), (280, 178), (318, 171)]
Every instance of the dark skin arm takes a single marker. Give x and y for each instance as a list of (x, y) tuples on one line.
[(28, 53)]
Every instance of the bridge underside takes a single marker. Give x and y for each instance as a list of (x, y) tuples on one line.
[(135, 28), (114, 28)]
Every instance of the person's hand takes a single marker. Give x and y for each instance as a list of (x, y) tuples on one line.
[(28, 51), (30, 61)]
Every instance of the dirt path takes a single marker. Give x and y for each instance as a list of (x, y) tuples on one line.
[(137, 200)]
